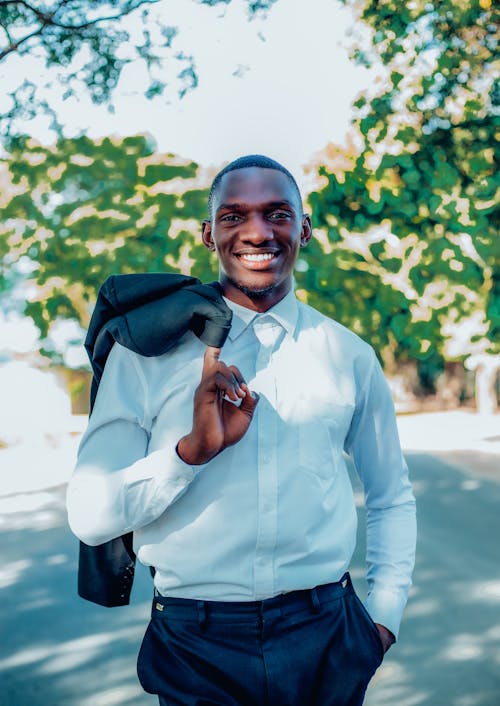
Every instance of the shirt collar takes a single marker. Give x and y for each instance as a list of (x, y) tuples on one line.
[(285, 312)]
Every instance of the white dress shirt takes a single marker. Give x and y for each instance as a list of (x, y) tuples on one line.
[(275, 512)]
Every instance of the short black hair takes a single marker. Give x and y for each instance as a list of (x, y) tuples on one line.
[(249, 160)]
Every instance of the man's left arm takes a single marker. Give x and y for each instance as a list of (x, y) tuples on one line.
[(373, 443)]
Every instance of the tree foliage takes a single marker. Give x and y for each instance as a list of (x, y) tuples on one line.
[(81, 210), (410, 212), (89, 44), (406, 249)]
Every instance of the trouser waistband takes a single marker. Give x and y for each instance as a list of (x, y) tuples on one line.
[(285, 603)]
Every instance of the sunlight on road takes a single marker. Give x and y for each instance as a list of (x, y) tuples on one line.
[(59, 657), (36, 511), (463, 647), (487, 591), (395, 686), (450, 431), (112, 697), (12, 573), (24, 502)]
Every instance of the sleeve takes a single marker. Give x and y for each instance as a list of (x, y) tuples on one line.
[(373, 444), (117, 487)]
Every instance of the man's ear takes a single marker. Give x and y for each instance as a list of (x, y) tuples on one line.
[(306, 234), (206, 235)]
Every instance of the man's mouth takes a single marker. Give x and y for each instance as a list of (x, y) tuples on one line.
[(257, 257)]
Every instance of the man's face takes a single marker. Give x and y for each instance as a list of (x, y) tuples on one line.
[(256, 229)]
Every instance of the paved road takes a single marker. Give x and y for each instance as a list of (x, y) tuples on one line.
[(57, 650)]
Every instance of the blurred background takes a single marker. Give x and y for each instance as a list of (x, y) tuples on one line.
[(114, 118)]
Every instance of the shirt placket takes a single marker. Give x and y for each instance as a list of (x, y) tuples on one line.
[(267, 333)]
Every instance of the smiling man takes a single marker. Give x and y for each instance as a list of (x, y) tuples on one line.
[(256, 228), (232, 476)]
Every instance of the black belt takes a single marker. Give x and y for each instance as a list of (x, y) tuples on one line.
[(284, 603)]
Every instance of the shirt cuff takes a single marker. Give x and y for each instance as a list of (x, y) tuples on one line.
[(169, 475), (386, 607)]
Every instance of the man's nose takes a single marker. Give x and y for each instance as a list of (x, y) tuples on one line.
[(257, 229)]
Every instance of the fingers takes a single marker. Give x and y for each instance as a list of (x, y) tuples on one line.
[(227, 379), (249, 399), (228, 385), (249, 403), (237, 375), (210, 358)]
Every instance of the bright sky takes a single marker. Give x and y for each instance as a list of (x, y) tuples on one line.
[(290, 97)]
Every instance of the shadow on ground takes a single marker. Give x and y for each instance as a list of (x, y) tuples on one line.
[(449, 648), (57, 649)]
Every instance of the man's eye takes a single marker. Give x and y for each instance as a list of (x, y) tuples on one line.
[(279, 215), (230, 217)]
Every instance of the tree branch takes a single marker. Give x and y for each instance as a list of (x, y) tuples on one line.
[(91, 23), (47, 20), (14, 47), (41, 15), (7, 33)]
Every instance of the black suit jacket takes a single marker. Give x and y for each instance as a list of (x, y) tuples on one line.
[(147, 313)]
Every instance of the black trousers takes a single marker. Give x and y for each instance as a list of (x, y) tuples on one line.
[(317, 647)]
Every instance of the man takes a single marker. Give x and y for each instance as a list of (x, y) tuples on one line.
[(231, 476)]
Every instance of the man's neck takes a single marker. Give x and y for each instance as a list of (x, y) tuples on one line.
[(259, 302)]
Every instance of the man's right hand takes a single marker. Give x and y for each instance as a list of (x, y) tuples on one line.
[(217, 422)]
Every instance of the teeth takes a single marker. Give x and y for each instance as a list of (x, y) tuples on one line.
[(261, 257)]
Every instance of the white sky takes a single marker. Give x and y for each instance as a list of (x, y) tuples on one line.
[(293, 96)]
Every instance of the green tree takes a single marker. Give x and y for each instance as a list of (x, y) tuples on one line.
[(81, 210), (89, 44), (408, 213)]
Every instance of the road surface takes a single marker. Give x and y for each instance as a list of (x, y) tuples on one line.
[(58, 650)]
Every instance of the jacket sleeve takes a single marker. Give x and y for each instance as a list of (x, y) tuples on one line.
[(149, 313), (117, 487)]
